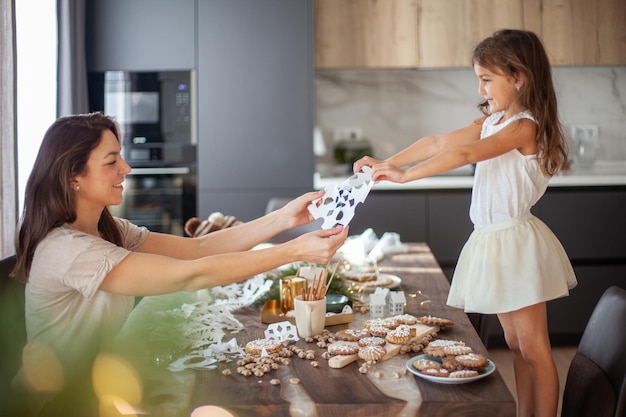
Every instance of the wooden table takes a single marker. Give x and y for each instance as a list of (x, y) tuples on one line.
[(328, 392)]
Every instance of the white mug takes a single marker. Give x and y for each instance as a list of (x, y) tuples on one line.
[(310, 316)]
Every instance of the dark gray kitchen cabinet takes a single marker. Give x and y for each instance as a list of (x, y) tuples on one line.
[(448, 225), (255, 103), (140, 35), (392, 211), (254, 66), (590, 222)]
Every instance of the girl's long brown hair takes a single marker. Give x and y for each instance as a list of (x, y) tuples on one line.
[(516, 52), (49, 197)]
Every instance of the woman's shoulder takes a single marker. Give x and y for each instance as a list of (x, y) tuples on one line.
[(133, 235)]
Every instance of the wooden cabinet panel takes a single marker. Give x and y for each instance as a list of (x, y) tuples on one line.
[(449, 29), (365, 33), (443, 33), (580, 32)]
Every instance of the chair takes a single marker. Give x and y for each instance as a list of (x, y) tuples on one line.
[(596, 379), (275, 203), (12, 326)]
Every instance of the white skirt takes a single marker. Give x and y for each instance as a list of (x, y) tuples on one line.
[(510, 265)]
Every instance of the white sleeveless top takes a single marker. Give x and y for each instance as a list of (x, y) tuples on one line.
[(507, 186)]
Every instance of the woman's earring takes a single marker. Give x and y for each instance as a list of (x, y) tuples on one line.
[(77, 187), (517, 88)]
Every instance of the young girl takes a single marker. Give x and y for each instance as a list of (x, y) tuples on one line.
[(83, 266), (512, 263)]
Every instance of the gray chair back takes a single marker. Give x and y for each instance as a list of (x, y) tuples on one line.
[(596, 379)]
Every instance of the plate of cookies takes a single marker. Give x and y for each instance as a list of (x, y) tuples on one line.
[(369, 281), (462, 369)]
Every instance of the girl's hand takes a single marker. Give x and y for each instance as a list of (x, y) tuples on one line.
[(321, 245), (365, 161), (296, 210), (386, 171)]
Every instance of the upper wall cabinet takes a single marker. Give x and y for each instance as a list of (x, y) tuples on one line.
[(442, 33), (449, 29), (580, 32), (140, 35), (365, 33)]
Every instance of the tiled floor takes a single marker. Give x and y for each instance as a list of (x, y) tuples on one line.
[(503, 359)]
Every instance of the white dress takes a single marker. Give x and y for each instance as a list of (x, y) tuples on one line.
[(512, 259)]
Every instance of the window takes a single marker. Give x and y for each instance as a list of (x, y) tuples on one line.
[(36, 35)]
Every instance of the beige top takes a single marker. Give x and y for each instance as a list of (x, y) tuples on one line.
[(66, 313)]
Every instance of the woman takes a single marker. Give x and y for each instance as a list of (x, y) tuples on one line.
[(83, 267)]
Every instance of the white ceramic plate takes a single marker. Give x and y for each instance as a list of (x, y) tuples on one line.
[(443, 380), (395, 282)]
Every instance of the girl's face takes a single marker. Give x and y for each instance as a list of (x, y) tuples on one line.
[(498, 89), (101, 184)]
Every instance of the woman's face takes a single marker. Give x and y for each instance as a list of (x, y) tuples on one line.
[(498, 89), (101, 184)]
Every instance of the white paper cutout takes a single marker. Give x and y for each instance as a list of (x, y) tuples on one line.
[(337, 205), (282, 331)]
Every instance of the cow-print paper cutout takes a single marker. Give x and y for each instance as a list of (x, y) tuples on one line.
[(338, 204)]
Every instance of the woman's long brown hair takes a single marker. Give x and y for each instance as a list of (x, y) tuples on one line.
[(49, 197), (516, 52)]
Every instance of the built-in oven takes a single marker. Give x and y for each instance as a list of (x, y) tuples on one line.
[(156, 111), (160, 198)]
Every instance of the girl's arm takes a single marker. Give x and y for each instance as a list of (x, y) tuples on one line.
[(143, 274), (427, 147), (233, 239), (519, 135)]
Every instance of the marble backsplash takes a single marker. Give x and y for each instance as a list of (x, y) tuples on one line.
[(393, 108)]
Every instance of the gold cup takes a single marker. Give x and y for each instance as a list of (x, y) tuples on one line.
[(290, 288)]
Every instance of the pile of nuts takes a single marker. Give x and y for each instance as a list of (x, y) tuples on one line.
[(258, 365)]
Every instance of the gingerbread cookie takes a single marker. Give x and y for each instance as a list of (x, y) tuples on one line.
[(457, 350), (450, 363), (343, 349), (372, 341), (255, 347), (421, 364), (388, 322), (379, 331), (436, 321), (400, 335), (352, 335), (435, 347), (405, 319), (441, 372), (465, 373), (474, 361), (372, 353)]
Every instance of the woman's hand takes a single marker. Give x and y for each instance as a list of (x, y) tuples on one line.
[(321, 245), (297, 209), (366, 161)]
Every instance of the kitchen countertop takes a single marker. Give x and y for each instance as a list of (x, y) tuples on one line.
[(602, 174)]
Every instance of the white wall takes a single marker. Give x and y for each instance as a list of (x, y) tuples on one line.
[(395, 107)]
